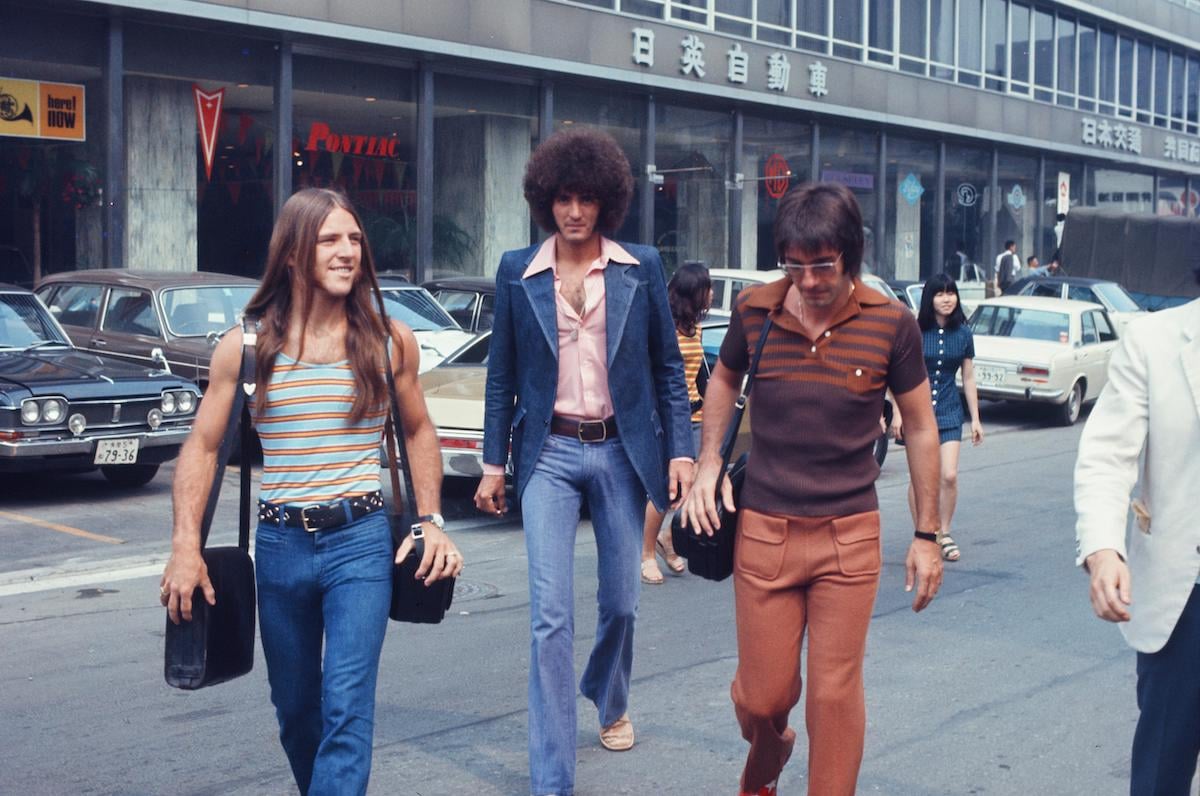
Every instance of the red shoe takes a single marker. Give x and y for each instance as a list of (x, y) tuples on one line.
[(765, 790)]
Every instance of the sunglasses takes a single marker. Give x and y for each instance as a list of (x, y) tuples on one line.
[(822, 270)]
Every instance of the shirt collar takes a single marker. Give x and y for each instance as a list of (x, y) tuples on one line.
[(770, 297), (544, 258)]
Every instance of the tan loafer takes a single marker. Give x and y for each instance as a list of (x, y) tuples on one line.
[(618, 736)]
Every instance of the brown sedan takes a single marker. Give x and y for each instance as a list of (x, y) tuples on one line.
[(148, 317)]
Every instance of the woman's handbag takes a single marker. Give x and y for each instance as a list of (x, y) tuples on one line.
[(412, 599), (218, 643), (711, 557)]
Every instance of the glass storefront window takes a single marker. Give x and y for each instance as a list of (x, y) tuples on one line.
[(911, 208), (968, 201), (691, 208), (483, 134), (1058, 173), (622, 117), (1172, 195), (1016, 204), (851, 157), (355, 130), (1126, 191), (776, 156)]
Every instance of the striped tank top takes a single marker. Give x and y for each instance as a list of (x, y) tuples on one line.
[(693, 354), (311, 453)]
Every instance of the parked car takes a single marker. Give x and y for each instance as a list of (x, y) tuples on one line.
[(167, 319), (728, 282), (437, 333), (470, 300), (62, 408), (1120, 306), (1042, 350), (909, 292)]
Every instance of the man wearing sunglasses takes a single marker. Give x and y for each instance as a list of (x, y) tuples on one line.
[(808, 549)]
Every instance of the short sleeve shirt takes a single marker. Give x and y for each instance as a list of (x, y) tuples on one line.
[(815, 404), (945, 350)]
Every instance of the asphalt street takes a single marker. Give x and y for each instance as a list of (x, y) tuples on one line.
[(1006, 685)]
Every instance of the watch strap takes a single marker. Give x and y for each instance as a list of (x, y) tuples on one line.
[(927, 536), (432, 519)]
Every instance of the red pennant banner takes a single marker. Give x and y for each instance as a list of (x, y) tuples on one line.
[(235, 191), (208, 120), (356, 166), (245, 122), (378, 167)]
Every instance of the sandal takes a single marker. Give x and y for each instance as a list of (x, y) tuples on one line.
[(950, 551), (650, 573), (675, 562)]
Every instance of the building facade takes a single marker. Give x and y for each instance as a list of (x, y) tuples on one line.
[(168, 138)]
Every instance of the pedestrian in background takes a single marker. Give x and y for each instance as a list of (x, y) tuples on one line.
[(807, 558), (1007, 266), (586, 380), (321, 400), (948, 346), (690, 295), (1145, 430)]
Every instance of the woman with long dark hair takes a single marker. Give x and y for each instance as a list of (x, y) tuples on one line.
[(690, 295), (949, 346)]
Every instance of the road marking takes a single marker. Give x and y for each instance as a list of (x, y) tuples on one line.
[(53, 582), (95, 537)]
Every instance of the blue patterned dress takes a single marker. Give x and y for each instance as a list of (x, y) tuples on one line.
[(945, 349)]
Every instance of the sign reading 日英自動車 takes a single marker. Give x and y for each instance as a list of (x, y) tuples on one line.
[(38, 109)]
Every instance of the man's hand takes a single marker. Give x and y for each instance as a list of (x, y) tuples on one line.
[(679, 480), (184, 572), (923, 566), (897, 429), (441, 558), (489, 496), (1110, 588), (700, 509)]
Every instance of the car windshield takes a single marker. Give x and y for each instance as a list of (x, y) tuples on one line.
[(417, 309), (196, 311), (24, 323), (875, 283), (1116, 297), (1000, 321), (914, 294)]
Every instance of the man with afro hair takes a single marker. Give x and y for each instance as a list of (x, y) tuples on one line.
[(585, 386)]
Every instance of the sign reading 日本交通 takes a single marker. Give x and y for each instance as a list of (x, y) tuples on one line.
[(38, 109), (772, 74), (1103, 133)]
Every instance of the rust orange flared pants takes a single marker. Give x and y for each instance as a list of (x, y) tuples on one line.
[(792, 576)]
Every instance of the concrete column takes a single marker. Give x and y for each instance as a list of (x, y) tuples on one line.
[(749, 220), (480, 164), (282, 183), (114, 158), (161, 165)]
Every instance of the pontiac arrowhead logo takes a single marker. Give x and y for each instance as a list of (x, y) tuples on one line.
[(208, 119)]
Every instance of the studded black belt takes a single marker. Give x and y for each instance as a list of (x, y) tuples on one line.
[(320, 516)]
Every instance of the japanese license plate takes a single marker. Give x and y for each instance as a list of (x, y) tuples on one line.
[(116, 451), (986, 375)]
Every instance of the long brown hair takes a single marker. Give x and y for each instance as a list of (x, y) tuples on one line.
[(294, 239)]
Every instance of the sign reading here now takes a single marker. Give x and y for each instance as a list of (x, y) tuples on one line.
[(36, 109)]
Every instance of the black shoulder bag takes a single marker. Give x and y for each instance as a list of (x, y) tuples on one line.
[(412, 600), (711, 557), (218, 643)]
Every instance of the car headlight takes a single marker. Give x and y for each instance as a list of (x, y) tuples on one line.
[(77, 423), (186, 401), (53, 410), (168, 403), (154, 418), (31, 412)]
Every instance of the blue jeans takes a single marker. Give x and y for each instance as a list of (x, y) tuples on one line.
[(1166, 742), (568, 471), (333, 586)]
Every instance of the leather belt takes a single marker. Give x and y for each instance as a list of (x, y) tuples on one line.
[(584, 430), (320, 516)]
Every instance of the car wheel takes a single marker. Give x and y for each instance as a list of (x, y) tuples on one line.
[(1068, 412), (130, 475)]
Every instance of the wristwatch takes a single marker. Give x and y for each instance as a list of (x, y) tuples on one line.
[(927, 536), (435, 519)]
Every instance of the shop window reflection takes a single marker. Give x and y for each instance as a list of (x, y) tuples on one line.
[(691, 202)]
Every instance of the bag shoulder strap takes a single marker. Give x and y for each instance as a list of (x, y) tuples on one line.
[(239, 420), (394, 433), (739, 406)]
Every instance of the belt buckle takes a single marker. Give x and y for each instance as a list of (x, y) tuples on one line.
[(304, 519), (603, 430)]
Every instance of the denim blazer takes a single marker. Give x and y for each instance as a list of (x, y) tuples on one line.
[(645, 369)]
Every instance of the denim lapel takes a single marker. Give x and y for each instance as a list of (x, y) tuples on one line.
[(540, 290), (619, 286)]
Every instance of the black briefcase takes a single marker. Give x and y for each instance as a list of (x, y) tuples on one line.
[(218, 644), (412, 600), (711, 557)]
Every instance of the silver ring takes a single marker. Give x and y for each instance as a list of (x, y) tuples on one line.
[(452, 554)]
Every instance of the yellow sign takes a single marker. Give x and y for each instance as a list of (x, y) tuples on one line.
[(33, 109)]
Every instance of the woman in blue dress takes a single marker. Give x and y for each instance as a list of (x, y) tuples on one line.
[(948, 346)]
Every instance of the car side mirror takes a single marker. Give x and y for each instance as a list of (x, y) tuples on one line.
[(212, 338), (159, 358)]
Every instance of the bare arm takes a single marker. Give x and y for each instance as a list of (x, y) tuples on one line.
[(442, 558), (924, 562), (194, 471), (972, 395), (700, 507)]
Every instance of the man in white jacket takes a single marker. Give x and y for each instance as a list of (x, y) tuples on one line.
[(1150, 585)]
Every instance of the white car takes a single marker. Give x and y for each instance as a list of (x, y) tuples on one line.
[(1041, 349), (728, 282), (437, 333)]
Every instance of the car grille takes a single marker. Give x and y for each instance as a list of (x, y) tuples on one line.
[(99, 414)]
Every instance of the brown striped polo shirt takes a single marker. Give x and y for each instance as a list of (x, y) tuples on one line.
[(815, 405)]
